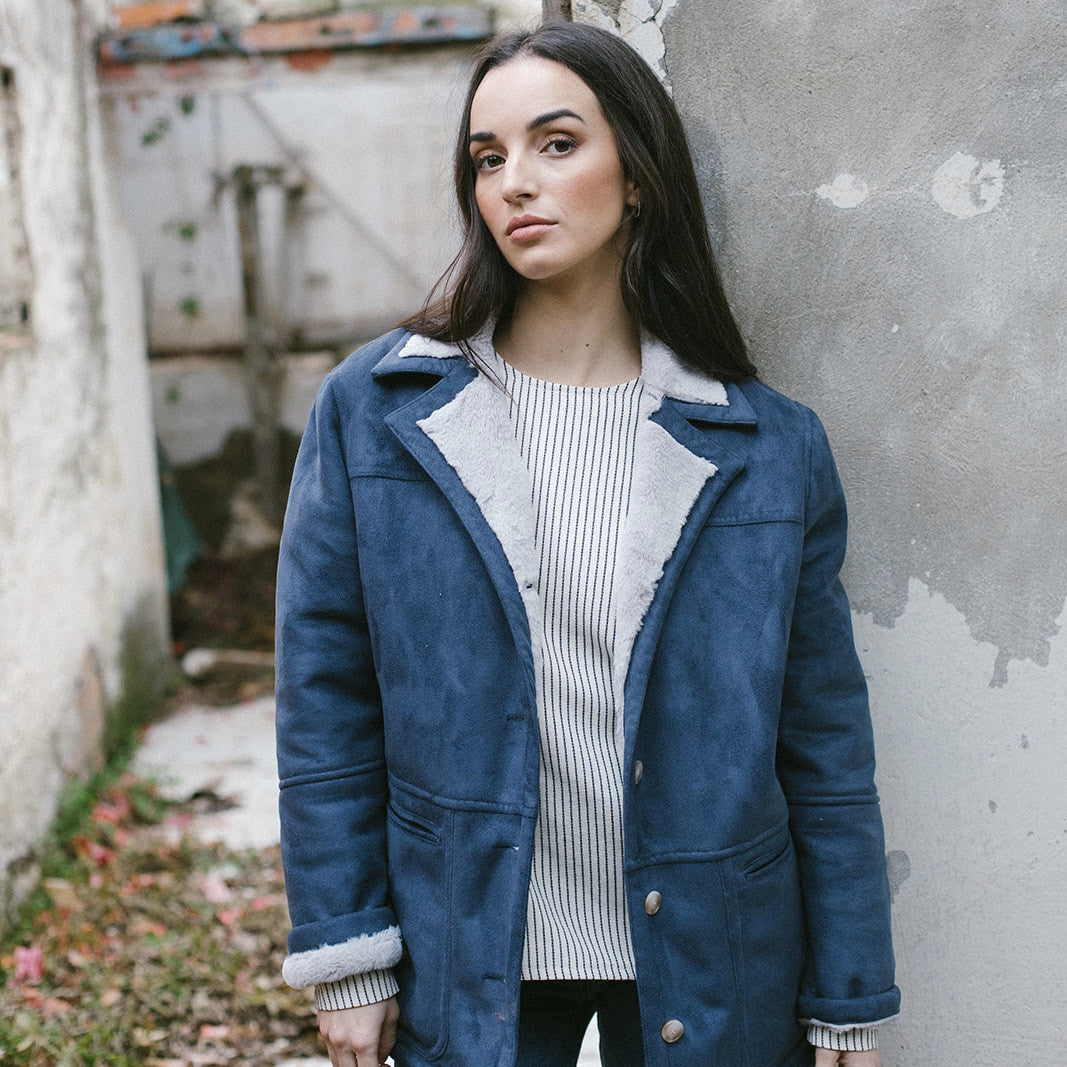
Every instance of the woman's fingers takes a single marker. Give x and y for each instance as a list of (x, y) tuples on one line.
[(388, 1032), (351, 1057), (825, 1057), (360, 1037)]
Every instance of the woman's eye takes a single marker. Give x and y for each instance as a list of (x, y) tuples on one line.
[(560, 146), (488, 161)]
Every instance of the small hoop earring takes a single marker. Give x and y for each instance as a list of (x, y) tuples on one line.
[(636, 212)]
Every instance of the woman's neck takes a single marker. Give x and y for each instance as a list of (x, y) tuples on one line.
[(571, 336)]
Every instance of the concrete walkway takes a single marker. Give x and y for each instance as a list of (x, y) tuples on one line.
[(226, 756)]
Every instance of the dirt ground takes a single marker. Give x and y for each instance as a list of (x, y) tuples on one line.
[(226, 604)]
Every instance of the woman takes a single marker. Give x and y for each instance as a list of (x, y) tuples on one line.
[(570, 719)]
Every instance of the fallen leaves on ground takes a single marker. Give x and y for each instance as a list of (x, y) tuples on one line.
[(152, 950)]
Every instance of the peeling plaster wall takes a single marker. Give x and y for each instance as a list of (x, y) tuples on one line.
[(81, 568), (971, 779), (885, 184)]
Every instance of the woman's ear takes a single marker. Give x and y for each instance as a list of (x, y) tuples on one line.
[(633, 200)]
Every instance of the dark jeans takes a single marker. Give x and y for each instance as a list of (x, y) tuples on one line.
[(553, 1018)]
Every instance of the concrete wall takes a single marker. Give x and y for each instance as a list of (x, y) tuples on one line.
[(82, 598), (886, 186)]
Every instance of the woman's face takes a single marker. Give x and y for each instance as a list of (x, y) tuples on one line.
[(548, 180)]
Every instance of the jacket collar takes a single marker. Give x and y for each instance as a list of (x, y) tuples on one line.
[(664, 374), (461, 433)]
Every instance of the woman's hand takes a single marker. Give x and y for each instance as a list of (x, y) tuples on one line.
[(826, 1057), (360, 1037)]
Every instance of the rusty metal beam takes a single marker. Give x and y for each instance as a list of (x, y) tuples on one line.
[(261, 364), (355, 29)]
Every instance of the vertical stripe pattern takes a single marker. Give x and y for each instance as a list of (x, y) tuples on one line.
[(578, 444), (356, 991), (853, 1039)]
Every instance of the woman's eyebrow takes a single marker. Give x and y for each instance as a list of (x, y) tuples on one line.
[(551, 116), (533, 124)]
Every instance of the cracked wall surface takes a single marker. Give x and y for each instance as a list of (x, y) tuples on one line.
[(81, 568), (912, 161), (919, 179), (885, 185)]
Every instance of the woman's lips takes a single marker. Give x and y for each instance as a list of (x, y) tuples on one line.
[(527, 227)]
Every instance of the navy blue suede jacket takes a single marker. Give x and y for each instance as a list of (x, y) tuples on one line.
[(408, 645)]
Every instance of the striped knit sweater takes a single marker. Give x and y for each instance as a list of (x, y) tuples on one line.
[(578, 443)]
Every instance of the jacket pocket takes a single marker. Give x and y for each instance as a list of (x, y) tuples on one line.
[(413, 824), (420, 885), (771, 956), (764, 859)]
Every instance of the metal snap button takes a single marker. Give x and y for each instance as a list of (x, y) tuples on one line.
[(672, 1031)]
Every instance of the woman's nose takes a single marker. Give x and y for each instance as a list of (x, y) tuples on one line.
[(518, 181)]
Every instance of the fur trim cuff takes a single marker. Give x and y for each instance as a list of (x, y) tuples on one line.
[(331, 963), (841, 1028)]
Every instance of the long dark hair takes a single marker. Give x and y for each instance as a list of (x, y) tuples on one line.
[(670, 283)]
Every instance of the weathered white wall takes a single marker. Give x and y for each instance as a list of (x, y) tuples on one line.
[(199, 401), (82, 593), (886, 187), (368, 135)]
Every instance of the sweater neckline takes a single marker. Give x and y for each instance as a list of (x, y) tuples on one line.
[(589, 390)]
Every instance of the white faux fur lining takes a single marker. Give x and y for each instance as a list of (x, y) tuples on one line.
[(841, 1028), (417, 345), (667, 480), (474, 433), (331, 963), (661, 369)]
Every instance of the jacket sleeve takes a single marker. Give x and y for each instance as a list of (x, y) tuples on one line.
[(329, 725), (826, 766)]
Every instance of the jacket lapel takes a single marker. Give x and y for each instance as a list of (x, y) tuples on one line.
[(461, 433), (679, 474), (668, 479)]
